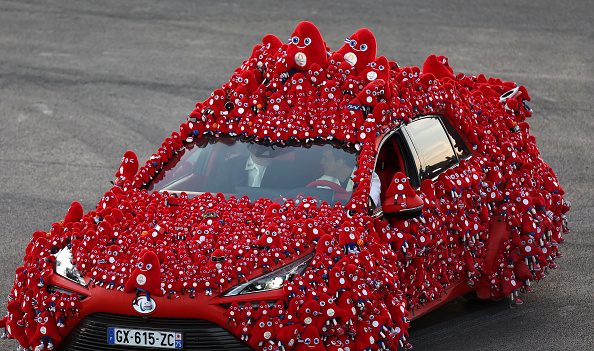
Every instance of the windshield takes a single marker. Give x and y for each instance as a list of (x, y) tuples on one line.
[(237, 167)]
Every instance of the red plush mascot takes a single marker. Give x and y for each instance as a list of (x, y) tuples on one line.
[(306, 47), (147, 276), (128, 167), (401, 195), (359, 49)]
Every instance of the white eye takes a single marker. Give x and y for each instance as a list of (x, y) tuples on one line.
[(295, 40), (139, 264), (149, 266), (403, 180), (381, 67), (368, 91), (373, 64), (45, 319), (363, 47), (352, 43), (307, 41)]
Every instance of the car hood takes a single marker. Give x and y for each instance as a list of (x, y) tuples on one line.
[(197, 240)]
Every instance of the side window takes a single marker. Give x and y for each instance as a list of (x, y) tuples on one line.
[(433, 146), (460, 147)]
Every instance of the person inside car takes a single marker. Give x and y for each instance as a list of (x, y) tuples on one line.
[(336, 169)]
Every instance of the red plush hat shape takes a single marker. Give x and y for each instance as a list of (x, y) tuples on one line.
[(359, 49), (146, 277), (306, 47), (74, 214), (400, 195), (438, 67)]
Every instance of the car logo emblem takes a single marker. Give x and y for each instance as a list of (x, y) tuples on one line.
[(144, 304)]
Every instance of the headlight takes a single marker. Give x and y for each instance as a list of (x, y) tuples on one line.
[(273, 280), (66, 269)]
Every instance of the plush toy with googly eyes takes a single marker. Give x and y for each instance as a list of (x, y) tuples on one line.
[(146, 277), (46, 334), (306, 47), (359, 49)]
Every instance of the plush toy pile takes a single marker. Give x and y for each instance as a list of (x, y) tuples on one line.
[(366, 273)]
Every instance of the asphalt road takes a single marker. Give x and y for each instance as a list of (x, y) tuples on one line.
[(82, 82)]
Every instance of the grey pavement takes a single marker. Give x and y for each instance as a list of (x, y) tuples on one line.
[(81, 82)]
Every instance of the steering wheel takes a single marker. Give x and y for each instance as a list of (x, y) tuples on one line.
[(326, 183), (340, 193)]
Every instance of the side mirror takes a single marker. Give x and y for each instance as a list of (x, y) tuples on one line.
[(401, 198)]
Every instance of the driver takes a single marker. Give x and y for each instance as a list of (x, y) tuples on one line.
[(336, 169), (256, 164)]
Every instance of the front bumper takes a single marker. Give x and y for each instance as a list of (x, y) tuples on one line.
[(201, 319), (91, 333)]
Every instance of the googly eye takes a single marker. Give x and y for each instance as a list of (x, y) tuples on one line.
[(353, 43), (149, 266), (363, 47), (307, 41), (140, 265), (381, 67)]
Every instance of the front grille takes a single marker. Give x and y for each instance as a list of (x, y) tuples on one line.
[(91, 333)]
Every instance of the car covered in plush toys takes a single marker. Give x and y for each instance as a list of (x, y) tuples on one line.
[(318, 200)]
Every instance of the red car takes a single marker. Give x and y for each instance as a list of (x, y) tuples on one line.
[(317, 201)]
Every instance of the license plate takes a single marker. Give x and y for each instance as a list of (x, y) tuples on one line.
[(145, 338)]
